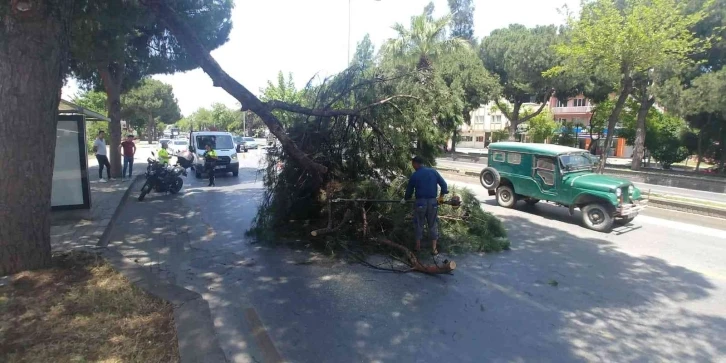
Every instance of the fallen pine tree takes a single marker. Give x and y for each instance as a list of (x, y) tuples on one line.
[(353, 136)]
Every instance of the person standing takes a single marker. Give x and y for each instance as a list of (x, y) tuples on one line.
[(164, 153), (210, 161), (425, 181), (128, 150), (99, 147)]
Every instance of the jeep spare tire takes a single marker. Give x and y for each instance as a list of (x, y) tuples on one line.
[(490, 178)]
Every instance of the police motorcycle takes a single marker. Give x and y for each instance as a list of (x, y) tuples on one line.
[(164, 178)]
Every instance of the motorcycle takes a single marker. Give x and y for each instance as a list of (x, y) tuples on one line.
[(164, 178)]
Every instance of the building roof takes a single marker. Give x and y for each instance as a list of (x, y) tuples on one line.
[(65, 107), (541, 149)]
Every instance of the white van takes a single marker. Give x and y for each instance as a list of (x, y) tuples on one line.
[(222, 143)]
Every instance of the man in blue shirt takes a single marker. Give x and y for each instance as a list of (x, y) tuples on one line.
[(426, 182)]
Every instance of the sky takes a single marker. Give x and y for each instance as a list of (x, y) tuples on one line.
[(310, 38)]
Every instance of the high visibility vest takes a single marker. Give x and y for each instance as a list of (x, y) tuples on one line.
[(164, 156)]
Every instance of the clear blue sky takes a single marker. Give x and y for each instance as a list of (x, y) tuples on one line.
[(311, 37)]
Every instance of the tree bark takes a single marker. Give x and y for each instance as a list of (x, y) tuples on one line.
[(33, 62), (646, 102), (112, 77), (513, 119), (626, 86), (194, 48), (723, 148), (453, 142), (149, 128)]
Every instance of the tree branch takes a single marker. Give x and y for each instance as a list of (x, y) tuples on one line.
[(194, 48), (539, 110), (503, 110), (286, 106)]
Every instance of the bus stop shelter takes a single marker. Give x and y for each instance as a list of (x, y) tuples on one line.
[(71, 188)]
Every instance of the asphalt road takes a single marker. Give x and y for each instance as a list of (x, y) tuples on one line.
[(656, 189), (652, 291)]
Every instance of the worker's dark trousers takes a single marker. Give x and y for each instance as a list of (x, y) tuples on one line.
[(209, 168), (426, 211)]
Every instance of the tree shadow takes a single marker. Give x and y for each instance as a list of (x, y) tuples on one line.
[(554, 297)]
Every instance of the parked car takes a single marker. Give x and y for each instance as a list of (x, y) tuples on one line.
[(178, 146), (222, 143), (245, 143), (561, 175)]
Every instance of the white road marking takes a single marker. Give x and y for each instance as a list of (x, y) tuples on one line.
[(685, 227)]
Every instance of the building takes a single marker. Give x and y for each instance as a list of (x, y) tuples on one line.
[(578, 111), (485, 120)]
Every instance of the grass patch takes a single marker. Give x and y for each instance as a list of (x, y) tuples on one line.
[(82, 310)]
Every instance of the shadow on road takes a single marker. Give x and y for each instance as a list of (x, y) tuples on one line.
[(554, 297)]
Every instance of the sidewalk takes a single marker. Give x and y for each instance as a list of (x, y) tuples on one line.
[(85, 227)]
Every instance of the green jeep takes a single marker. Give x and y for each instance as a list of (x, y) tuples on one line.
[(561, 175)]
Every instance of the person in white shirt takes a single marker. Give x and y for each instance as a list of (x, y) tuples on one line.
[(99, 147)]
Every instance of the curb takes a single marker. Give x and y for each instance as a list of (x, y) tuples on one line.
[(104, 239), (687, 207), (655, 202), (193, 322), (195, 333)]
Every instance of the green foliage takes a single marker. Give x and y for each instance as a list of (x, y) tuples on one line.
[(150, 100), (568, 136), (462, 22), (631, 37), (219, 117), (127, 33), (500, 135), (284, 90), (519, 56), (541, 127), (94, 101), (667, 145), (368, 155), (421, 43)]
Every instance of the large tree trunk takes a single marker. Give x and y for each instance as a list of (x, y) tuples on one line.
[(150, 128), (453, 142), (33, 60), (626, 85), (646, 103), (723, 148), (700, 143), (112, 76), (513, 120), (186, 36)]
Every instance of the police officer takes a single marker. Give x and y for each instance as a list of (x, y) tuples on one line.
[(210, 161), (426, 182), (164, 154)]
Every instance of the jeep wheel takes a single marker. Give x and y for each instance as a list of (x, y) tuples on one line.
[(506, 197), (489, 178), (597, 217)]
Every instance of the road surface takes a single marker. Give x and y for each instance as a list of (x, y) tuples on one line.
[(652, 291), (656, 189)]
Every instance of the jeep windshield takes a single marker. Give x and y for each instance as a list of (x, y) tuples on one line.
[(575, 162), (218, 142)]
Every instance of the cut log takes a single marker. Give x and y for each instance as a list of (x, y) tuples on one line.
[(319, 232), (447, 267)]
